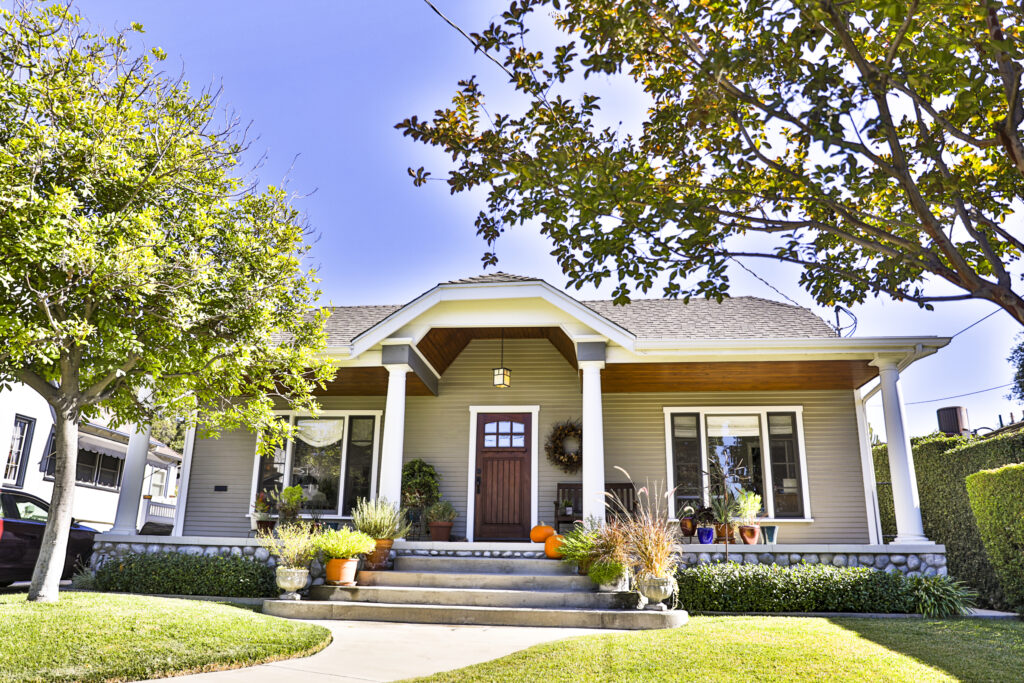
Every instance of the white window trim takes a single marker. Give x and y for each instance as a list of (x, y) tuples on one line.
[(292, 415), (474, 411), (762, 411)]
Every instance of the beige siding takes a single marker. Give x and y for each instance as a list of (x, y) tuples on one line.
[(634, 432), (437, 428), (229, 460)]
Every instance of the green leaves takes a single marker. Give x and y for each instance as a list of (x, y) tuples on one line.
[(859, 142)]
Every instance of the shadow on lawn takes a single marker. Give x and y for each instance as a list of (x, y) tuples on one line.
[(968, 649)]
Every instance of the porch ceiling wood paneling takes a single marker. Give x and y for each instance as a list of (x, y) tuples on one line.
[(621, 378), (371, 381), (442, 345)]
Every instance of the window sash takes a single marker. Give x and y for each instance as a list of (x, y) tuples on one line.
[(770, 420), (19, 449)]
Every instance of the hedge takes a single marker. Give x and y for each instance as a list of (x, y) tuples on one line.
[(997, 498), (180, 574), (734, 587), (942, 465)]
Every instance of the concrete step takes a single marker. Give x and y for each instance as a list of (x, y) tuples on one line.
[(483, 616), (412, 579), (481, 565), (465, 597)]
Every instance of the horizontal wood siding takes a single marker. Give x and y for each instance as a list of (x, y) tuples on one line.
[(437, 428), (634, 433), (229, 460)]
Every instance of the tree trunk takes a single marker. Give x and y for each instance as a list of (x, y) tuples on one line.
[(54, 550)]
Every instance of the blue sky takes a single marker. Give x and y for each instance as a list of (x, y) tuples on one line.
[(324, 82)]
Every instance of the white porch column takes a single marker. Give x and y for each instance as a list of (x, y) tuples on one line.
[(131, 481), (593, 441), (393, 439), (909, 528)]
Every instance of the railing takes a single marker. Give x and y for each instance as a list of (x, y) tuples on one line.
[(157, 512)]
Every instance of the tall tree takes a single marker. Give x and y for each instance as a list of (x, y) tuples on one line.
[(139, 272), (874, 144)]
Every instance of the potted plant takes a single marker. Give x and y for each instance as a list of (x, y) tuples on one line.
[(687, 523), (610, 577), (565, 506), (263, 512), (578, 547), (440, 516), (294, 546), (420, 490), (288, 502), (704, 517), (611, 559), (724, 509), (770, 533), (341, 548), (382, 521), (748, 507)]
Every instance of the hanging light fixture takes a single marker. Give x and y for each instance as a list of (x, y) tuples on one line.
[(502, 375)]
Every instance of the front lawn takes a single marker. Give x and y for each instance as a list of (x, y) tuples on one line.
[(95, 637), (774, 649)]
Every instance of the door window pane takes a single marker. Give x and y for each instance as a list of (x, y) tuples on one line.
[(358, 461), (21, 442), (687, 459), (785, 464), (736, 439), (505, 434), (316, 461)]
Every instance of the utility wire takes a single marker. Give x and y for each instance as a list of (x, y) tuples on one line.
[(976, 322), (770, 285), (970, 393), (469, 38)]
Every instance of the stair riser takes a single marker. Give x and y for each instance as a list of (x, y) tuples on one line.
[(413, 596), (482, 565), (427, 614), (489, 581)]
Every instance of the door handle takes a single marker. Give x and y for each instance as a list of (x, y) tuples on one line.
[(478, 481)]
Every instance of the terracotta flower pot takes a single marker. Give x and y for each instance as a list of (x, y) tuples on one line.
[(341, 572), (723, 536), (688, 526), (440, 531), (750, 533), (378, 559), (266, 525)]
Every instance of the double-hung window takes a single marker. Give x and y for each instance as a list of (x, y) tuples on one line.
[(20, 447), (333, 457), (764, 445)]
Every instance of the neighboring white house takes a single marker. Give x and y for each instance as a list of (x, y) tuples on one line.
[(26, 423)]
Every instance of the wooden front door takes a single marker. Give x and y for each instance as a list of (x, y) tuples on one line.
[(503, 459)]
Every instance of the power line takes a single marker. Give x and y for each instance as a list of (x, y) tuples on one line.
[(470, 39), (773, 287), (976, 322), (970, 393)]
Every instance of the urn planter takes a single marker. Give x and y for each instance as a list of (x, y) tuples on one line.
[(291, 580), (656, 589)]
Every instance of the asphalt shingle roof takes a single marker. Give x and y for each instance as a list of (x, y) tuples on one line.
[(742, 317)]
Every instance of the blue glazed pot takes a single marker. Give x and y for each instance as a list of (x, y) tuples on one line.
[(770, 533), (705, 534)]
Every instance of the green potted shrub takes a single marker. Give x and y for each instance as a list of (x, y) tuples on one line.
[(288, 502), (611, 558), (382, 521), (420, 490), (724, 509), (565, 505), (687, 523), (748, 507), (578, 547), (341, 549), (440, 517), (294, 546), (704, 517)]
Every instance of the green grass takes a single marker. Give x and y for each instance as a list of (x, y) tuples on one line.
[(96, 637), (774, 649)]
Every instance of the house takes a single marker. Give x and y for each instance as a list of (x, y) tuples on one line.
[(26, 423)]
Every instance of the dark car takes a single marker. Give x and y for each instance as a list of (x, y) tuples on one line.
[(22, 520)]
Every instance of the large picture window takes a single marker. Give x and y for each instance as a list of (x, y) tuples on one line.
[(764, 445), (333, 457)]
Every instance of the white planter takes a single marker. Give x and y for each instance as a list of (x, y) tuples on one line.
[(291, 580), (656, 589)]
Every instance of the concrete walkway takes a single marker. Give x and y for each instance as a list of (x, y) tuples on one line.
[(379, 651)]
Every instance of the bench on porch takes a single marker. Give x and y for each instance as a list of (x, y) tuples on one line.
[(573, 492)]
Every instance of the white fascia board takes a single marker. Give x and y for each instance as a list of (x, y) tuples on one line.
[(484, 292), (866, 348)]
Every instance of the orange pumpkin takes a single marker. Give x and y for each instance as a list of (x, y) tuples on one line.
[(541, 532), (553, 545)]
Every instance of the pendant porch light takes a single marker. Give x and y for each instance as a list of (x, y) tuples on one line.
[(502, 375)]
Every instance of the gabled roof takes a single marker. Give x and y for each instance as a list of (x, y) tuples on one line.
[(647, 319)]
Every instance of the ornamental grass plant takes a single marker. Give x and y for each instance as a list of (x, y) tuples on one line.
[(294, 545), (380, 519), (650, 538)]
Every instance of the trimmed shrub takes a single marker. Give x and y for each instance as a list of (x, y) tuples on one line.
[(943, 464), (733, 587), (180, 574), (997, 498)]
